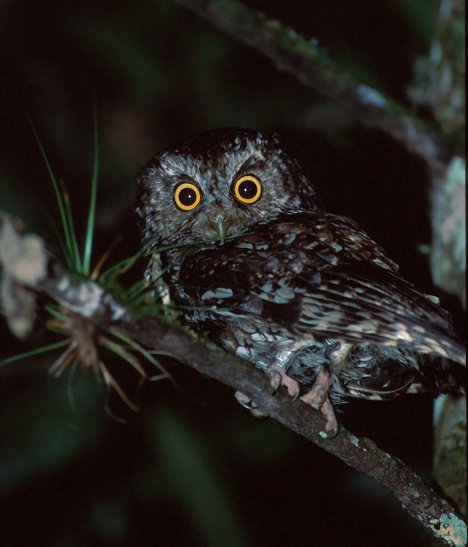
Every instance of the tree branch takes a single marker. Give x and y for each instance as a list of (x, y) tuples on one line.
[(27, 265), (311, 66)]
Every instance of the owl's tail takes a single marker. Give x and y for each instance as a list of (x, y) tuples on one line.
[(442, 376), (387, 378)]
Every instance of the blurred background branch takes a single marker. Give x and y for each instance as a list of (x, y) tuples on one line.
[(313, 67)]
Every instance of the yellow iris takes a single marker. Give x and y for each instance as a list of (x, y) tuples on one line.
[(187, 196), (247, 189)]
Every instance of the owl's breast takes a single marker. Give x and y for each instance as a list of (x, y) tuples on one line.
[(247, 336)]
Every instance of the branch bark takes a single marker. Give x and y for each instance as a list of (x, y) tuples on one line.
[(27, 265)]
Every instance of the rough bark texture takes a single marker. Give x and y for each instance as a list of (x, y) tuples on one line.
[(306, 62)]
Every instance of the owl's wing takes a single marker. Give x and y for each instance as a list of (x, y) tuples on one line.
[(360, 303), (318, 274)]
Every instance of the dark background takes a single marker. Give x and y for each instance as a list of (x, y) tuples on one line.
[(194, 468)]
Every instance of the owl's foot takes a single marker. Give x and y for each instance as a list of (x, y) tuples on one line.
[(278, 377), (317, 397), (247, 403)]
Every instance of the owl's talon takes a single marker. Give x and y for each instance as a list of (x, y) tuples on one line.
[(326, 408), (257, 413), (317, 394), (331, 427), (275, 380), (243, 400), (317, 397), (249, 404), (279, 377)]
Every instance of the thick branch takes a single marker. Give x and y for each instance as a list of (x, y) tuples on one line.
[(292, 53), (27, 264)]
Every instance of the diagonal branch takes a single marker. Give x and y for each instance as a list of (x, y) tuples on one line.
[(27, 264), (311, 66)]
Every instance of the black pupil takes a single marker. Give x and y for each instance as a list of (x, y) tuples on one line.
[(248, 189), (187, 196)]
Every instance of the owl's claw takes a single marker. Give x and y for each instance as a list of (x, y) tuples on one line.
[(275, 380), (278, 377), (250, 405), (318, 393), (317, 397), (331, 426)]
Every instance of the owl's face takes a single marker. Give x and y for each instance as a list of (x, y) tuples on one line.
[(218, 184)]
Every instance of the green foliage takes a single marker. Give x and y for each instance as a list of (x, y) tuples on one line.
[(92, 203), (70, 245), (82, 340), (76, 261)]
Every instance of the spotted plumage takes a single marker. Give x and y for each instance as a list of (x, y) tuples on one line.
[(254, 261)]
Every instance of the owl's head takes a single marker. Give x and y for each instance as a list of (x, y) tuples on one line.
[(218, 184)]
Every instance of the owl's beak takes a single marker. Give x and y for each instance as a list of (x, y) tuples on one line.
[(220, 224)]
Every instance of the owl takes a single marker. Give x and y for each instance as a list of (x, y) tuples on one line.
[(254, 261)]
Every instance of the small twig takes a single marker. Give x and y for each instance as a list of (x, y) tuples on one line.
[(311, 66), (93, 302)]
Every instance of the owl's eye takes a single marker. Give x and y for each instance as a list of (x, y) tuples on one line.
[(186, 196), (247, 189)]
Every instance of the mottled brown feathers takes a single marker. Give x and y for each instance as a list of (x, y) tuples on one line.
[(281, 282)]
